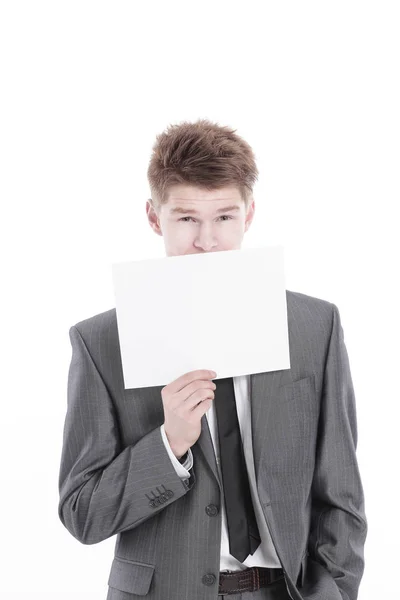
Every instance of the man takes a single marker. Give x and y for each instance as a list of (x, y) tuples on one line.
[(278, 513)]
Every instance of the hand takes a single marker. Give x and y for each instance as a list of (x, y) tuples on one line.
[(185, 401)]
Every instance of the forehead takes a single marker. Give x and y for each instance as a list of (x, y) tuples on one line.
[(183, 194)]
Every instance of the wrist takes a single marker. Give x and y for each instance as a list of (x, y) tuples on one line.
[(178, 451), (181, 453)]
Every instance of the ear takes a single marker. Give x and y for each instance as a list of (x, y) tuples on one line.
[(250, 214), (153, 217)]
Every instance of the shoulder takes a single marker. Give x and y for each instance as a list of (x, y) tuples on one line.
[(303, 305), (310, 317), (102, 321), (99, 328)]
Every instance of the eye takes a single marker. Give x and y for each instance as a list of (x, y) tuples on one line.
[(183, 218)]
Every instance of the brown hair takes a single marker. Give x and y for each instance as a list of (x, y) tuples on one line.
[(203, 154)]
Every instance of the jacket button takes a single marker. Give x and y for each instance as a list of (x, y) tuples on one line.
[(212, 510), (208, 579)]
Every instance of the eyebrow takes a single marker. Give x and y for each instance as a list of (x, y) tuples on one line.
[(182, 210)]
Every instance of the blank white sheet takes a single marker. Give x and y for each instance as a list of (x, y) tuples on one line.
[(224, 311)]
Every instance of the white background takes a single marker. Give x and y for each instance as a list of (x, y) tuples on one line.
[(85, 88)]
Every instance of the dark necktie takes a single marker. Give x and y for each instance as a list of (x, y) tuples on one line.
[(244, 537)]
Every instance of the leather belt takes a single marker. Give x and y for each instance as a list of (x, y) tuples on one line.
[(248, 580)]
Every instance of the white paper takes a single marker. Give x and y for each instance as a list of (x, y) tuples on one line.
[(225, 311)]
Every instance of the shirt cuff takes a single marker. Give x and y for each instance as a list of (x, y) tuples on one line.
[(181, 469)]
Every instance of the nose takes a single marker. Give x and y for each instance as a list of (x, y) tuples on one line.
[(206, 240), (206, 246)]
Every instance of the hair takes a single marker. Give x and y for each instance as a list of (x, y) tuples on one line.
[(203, 154)]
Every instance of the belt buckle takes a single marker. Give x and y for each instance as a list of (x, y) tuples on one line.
[(230, 584)]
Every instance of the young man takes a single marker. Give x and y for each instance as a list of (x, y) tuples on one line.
[(246, 486)]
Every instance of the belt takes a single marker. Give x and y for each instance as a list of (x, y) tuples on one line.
[(248, 580)]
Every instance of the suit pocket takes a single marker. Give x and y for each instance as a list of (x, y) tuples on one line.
[(130, 576), (295, 389), (300, 578)]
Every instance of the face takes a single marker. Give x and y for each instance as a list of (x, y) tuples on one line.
[(194, 220)]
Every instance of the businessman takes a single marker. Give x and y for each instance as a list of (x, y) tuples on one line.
[(247, 486)]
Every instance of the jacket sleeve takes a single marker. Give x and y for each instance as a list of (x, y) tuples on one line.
[(106, 489), (338, 525)]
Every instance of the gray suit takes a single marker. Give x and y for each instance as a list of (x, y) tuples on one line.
[(116, 476)]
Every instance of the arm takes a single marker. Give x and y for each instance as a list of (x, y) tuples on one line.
[(338, 523), (183, 464), (106, 489)]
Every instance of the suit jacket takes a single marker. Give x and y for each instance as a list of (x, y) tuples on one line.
[(116, 476)]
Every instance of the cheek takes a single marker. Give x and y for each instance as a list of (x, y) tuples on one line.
[(233, 231)]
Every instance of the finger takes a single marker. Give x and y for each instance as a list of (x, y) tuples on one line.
[(184, 380)]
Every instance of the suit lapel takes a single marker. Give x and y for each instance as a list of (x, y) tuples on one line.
[(205, 443)]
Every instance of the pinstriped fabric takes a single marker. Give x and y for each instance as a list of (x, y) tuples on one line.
[(115, 467)]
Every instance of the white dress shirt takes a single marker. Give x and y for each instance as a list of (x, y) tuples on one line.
[(265, 555)]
